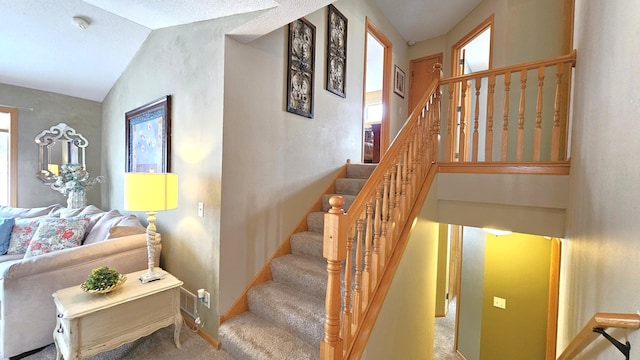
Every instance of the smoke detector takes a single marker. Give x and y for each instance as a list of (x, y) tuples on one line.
[(81, 22)]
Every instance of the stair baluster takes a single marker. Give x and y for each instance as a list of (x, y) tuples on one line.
[(537, 136), (521, 108)]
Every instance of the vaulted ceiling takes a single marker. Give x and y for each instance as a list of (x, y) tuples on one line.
[(44, 48)]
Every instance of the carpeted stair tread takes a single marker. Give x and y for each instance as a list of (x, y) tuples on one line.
[(349, 186), (301, 273), (250, 337), (307, 243), (360, 171), (299, 313), (315, 222), (348, 200)]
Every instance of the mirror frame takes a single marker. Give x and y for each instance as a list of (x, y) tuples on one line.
[(48, 138)]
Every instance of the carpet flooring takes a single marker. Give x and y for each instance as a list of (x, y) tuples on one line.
[(157, 346), (444, 334)]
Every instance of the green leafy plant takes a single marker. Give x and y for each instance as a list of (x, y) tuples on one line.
[(102, 278)]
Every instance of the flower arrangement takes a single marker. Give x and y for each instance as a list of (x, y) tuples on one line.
[(73, 177)]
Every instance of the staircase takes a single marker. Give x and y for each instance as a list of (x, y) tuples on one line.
[(285, 319)]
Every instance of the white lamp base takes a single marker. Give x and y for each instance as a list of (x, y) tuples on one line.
[(150, 276)]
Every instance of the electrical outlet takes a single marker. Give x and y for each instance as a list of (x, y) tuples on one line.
[(200, 209), (499, 302), (207, 300)]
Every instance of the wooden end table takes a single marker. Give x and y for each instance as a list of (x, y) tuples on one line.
[(88, 324)]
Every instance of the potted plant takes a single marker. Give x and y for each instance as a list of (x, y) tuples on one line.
[(103, 280)]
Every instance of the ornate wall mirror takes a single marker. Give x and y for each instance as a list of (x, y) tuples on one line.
[(59, 145)]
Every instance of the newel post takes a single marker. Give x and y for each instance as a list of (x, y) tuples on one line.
[(334, 250)]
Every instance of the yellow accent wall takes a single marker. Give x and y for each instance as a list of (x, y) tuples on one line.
[(516, 269)]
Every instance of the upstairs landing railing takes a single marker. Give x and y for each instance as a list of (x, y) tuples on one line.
[(498, 115), (365, 238), (597, 325), (364, 241)]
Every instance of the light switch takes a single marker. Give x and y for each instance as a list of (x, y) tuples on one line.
[(200, 209), (499, 302)]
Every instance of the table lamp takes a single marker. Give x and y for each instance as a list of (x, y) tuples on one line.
[(150, 192)]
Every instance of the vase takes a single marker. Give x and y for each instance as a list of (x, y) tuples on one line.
[(76, 198)]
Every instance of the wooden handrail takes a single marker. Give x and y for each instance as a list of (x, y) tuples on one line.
[(367, 238), (603, 321), (567, 59), (386, 161)]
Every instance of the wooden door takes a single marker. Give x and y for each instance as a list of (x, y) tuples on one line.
[(421, 75)]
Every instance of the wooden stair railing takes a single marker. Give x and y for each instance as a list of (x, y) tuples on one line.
[(599, 321), (369, 233), (525, 136)]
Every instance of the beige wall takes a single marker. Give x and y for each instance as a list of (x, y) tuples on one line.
[(228, 114), (471, 290), (524, 30), (186, 62), (534, 204), (404, 328), (51, 109), (601, 249), (276, 164)]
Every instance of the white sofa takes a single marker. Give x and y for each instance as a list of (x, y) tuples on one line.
[(27, 310)]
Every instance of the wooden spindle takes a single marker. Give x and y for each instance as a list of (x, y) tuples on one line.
[(385, 220), (488, 145), (368, 239), (392, 211), (476, 121), (505, 123), (436, 118), (462, 146), (537, 135), (397, 211), (555, 131), (405, 181), (347, 315), (334, 250), (357, 288), (451, 124), (377, 224), (521, 108)]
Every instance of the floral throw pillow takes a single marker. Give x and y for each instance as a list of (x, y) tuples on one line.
[(21, 235), (55, 234)]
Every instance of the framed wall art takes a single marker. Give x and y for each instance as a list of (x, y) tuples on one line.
[(302, 42), (398, 81), (336, 51), (148, 137)]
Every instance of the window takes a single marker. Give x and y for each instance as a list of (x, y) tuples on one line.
[(8, 156)]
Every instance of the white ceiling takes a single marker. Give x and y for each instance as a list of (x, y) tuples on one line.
[(419, 20), (43, 49)]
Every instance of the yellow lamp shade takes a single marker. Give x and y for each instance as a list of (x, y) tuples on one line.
[(150, 191), (53, 168)]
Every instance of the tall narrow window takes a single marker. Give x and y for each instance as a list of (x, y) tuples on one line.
[(8, 156)]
